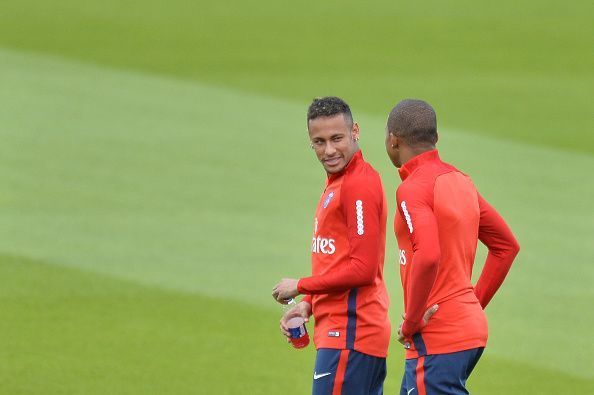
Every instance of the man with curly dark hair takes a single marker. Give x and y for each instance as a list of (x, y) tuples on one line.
[(346, 292)]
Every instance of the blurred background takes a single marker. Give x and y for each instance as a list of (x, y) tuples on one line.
[(157, 181)]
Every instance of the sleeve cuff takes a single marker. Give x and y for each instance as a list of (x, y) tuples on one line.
[(300, 286), (307, 299), (409, 328)]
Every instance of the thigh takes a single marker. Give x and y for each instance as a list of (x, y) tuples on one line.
[(348, 372), (409, 379), (403, 388), (325, 371), (364, 375), (446, 374)]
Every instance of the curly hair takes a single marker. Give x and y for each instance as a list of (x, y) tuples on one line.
[(329, 106)]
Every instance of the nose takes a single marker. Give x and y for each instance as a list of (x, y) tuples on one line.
[(329, 150)]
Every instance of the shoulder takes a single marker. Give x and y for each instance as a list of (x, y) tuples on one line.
[(446, 169), (363, 182), (409, 189), (364, 176), (418, 187), (420, 181)]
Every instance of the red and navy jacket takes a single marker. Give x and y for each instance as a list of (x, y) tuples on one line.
[(439, 220), (347, 290)]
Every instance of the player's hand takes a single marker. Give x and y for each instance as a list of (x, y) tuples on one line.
[(285, 290), (426, 317), (429, 313), (302, 309), (400, 337)]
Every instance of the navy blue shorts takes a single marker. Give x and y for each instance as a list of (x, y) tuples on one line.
[(348, 372), (439, 374)]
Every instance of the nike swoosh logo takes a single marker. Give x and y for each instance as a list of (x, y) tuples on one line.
[(410, 390), (319, 376)]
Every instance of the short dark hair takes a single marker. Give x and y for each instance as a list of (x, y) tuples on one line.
[(415, 121), (327, 107)]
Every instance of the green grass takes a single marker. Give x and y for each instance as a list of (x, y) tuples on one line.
[(155, 185), (67, 331), (158, 181), (81, 333), (517, 69)]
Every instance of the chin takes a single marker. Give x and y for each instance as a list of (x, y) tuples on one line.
[(334, 170)]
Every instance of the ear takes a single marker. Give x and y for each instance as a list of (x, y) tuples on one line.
[(355, 131), (393, 140)]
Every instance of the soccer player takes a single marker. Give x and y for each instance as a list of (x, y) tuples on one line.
[(346, 292), (439, 219)]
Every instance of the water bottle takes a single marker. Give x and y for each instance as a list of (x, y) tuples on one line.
[(296, 325)]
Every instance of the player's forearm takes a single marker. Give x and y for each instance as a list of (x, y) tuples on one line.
[(305, 307), (503, 248), (494, 272), (353, 275), (422, 277)]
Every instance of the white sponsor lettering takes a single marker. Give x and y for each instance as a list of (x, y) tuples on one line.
[(402, 257), (323, 245), (407, 216)]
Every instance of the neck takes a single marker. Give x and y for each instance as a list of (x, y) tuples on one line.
[(409, 153)]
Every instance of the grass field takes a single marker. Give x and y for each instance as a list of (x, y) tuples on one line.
[(158, 181)]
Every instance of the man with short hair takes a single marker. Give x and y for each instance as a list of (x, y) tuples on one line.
[(346, 292), (439, 219)]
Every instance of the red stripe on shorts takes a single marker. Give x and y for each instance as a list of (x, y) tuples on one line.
[(421, 376), (340, 371)]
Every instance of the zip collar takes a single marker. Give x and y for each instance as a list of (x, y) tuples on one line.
[(409, 167), (357, 158)]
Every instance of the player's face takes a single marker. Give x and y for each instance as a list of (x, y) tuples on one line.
[(392, 149), (334, 139)]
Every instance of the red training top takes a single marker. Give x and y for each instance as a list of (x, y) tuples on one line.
[(347, 290), (438, 223)]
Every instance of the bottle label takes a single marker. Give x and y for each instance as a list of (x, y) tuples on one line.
[(298, 332)]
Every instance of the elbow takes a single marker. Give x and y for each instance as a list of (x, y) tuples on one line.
[(368, 282), (429, 263), (365, 276), (366, 279), (507, 249), (362, 273), (514, 247)]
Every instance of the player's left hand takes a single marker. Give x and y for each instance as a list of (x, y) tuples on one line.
[(428, 314), (285, 290)]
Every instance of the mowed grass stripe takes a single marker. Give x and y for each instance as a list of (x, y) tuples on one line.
[(206, 190), (518, 69), (189, 174), (68, 331)]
